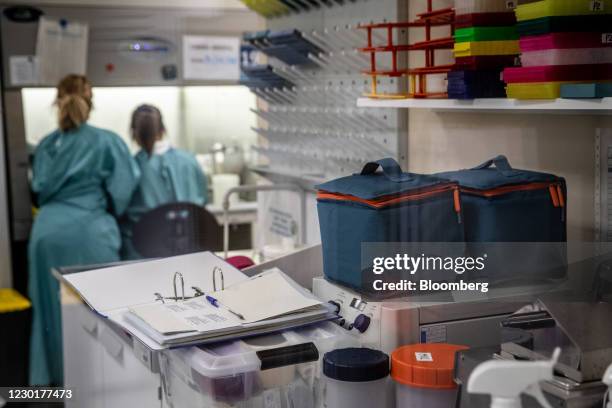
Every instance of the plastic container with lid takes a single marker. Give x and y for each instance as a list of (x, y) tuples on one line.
[(569, 56), (283, 367), (483, 6), (548, 8), (356, 378), (424, 375)]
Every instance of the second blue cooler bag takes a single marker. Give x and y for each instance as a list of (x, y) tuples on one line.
[(503, 204), (515, 217), (382, 206)]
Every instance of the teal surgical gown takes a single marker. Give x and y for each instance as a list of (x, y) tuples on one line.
[(82, 177), (173, 176)]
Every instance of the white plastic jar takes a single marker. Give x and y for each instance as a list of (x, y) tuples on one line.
[(356, 378), (423, 374)]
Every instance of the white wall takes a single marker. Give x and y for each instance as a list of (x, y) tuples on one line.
[(218, 114), (561, 144)]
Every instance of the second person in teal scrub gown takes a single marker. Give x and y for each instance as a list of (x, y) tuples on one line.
[(84, 177), (168, 174)]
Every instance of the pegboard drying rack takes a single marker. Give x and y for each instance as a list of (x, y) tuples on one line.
[(310, 128)]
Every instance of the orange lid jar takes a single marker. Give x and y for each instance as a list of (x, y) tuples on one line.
[(424, 375)]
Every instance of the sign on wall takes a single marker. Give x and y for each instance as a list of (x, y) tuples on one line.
[(61, 49), (211, 58)]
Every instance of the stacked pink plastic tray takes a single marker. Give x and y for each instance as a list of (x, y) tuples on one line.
[(559, 73), (566, 49)]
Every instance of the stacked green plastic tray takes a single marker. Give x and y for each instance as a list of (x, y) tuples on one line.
[(471, 34)]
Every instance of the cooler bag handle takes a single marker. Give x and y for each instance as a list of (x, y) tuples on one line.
[(501, 164), (391, 170)]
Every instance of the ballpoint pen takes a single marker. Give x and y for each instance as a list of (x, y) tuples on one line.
[(216, 303)]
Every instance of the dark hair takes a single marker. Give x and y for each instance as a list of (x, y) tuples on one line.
[(73, 101), (147, 126)]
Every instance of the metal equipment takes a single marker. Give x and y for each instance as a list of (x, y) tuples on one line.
[(583, 332), (423, 318)]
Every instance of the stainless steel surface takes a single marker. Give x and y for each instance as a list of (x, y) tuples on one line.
[(18, 165), (6, 278), (584, 333), (589, 327)]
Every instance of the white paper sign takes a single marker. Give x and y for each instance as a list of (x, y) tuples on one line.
[(423, 357), (24, 70), (61, 48), (211, 58)]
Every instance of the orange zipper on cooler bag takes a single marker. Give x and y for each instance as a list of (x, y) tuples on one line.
[(389, 200), (555, 190)]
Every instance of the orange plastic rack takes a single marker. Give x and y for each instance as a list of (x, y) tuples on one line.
[(417, 85)]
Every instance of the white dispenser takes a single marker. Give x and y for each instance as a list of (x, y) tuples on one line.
[(506, 380)]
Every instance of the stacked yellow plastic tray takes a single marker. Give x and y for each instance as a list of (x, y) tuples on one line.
[(481, 48), (536, 90), (550, 8)]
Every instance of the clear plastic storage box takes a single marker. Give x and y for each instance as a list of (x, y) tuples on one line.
[(280, 370)]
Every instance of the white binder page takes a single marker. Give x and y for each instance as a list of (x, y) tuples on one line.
[(191, 315), (264, 296), (134, 284)]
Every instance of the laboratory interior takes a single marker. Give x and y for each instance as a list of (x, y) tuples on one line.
[(306, 203)]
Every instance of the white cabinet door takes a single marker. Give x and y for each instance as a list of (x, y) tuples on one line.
[(83, 356), (127, 382)]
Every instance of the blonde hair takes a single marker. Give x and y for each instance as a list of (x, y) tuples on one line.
[(73, 101)]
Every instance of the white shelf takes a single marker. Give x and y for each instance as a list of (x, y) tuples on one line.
[(573, 106), (308, 181)]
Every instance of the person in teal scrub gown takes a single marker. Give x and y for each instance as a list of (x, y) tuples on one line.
[(83, 177), (168, 174)]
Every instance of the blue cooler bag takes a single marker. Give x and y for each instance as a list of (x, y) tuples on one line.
[(511, 206), (387, 206)]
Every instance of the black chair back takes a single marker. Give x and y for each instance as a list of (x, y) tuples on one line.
[(176, 229)]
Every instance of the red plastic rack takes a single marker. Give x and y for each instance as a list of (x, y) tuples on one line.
[(417, 76)]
